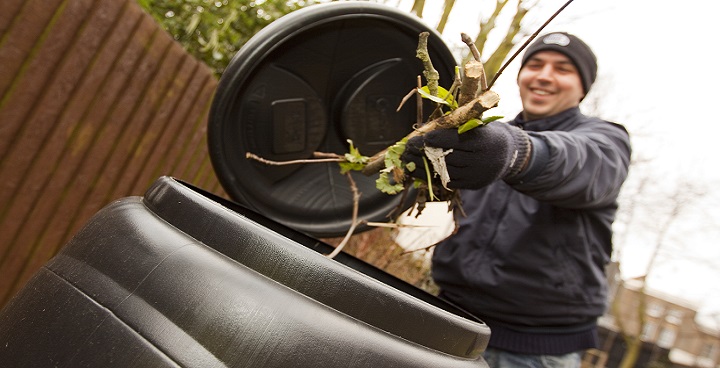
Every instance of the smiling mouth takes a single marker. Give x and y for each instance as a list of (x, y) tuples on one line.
[(540, 92)]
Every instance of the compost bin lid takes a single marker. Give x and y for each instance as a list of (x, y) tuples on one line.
[(309, 82)]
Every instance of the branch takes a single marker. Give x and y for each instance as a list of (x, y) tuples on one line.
[(495, 61), (473, 74), (473, 48), (431, 75), (395, 225), (354, 224), (486, 26), (419, 104), (532, 37), (320, 157), (428, 247)]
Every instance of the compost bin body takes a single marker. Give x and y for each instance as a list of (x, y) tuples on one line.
[(181, 278)]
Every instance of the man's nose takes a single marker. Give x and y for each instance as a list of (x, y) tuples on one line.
[(545, 72)]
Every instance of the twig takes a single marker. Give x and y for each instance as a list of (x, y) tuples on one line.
[(406, 98), (395, 225), (337, 156), (431, 75), (454, 89), (419, 249), (471, 45), (457, 83), (419, 104), (532, 37), (329, 157), (354, 224)]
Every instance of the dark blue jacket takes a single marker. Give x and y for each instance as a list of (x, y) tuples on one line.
[(529, 258)]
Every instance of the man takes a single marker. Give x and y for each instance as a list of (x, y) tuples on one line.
[(540, 194)]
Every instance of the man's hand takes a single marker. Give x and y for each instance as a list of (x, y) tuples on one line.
[(479, 156)]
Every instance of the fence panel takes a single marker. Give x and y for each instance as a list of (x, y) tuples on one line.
[(96, 102)]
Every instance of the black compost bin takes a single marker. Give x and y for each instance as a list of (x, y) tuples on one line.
[(180, 277), (309, 82)]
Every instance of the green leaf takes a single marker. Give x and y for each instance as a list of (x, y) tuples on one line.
[(444, 97), (392, 162), (474, 123), (345, 167), (384, 185), (354, 161), (490, 119), (236, 21), (193, 24), (393, 154), (469, 125)]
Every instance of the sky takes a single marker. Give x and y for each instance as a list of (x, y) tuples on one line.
[(656, 77)]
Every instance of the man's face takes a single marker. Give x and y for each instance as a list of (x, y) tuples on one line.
[(549, 84)]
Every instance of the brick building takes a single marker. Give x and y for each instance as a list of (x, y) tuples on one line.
[(670, 327)]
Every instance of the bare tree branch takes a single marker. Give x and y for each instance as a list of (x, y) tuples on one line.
[(418, 7), (447, 8), (532, 37)]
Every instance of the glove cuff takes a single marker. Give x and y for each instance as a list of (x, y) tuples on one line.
[(520, 153)]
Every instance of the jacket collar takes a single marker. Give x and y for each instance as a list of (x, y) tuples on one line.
[(548, 123)]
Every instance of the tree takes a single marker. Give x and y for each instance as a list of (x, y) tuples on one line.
[(649, 203), (641, 199), (213, 30), (487, 25)]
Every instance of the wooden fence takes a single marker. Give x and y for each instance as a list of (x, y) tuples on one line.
[(96, 102)]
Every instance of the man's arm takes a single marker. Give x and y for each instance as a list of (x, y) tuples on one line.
[(579, 169)]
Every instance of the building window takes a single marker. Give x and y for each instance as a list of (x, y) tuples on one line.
[(648, 332), (655, 309), (674, 316), (666, 338)]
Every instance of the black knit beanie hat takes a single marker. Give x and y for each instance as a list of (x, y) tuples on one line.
[(574, 48)]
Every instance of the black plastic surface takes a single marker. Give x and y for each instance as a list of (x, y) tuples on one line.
[(309, 82), (179, 279)]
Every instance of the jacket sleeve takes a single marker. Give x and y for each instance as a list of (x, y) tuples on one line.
[(582, 168)]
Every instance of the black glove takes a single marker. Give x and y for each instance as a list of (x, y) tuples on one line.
[(480, 156)]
